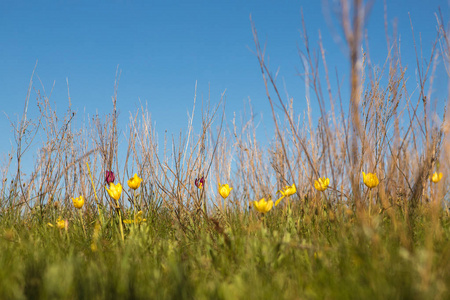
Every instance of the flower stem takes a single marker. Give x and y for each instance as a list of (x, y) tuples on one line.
[(204, 204), (120, 220), (134, 207), (95, 195), (82, 223)]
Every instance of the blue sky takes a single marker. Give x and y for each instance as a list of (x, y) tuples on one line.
[(163, 47)]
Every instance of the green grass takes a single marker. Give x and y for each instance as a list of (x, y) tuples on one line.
[(289, 255)]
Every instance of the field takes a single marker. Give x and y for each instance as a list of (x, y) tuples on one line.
[(363, 210)]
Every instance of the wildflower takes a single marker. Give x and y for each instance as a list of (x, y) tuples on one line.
[(137, 219), (134, 182), (60, 224), (199, 182), (263, 206), (370, 180), (318, 255), (224, 190), (114, 190), (109, 177), (322, 184), (78, 202), (286, 192), (436, 177)]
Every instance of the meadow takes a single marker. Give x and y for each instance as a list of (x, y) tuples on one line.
[(355, 205)]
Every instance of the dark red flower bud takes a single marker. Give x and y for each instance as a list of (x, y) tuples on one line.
[(200, 182), (109, 177)]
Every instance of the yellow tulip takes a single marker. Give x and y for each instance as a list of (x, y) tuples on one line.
[(224, 190), (60, 224), (78, 202), (263, 206), (436, 177), (322, 184), (134, 182), (288, 190), (114, 190), (370, 180), (137, 219)]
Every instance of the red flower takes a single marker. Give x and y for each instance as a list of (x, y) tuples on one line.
[(200, 182), (109, 177)]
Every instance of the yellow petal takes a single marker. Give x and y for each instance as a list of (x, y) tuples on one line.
[(259, 205), (269, 205), (224, 190), (134, 182), (278, 201), (78, 202)]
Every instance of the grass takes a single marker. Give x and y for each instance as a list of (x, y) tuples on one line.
[(297, 253), (347, 242)]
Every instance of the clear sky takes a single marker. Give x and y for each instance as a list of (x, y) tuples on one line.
[(163, 47)]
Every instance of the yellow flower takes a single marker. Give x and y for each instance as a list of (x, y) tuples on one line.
[(321, 184), (436, 177), (114, 190), (60, 223), (263, 206), (78, 202), (288, 190), (318, 255), (224, 190), (134, 182), (137, 219), (370, 179)]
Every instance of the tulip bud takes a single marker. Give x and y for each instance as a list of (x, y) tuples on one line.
[(109, 177)]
